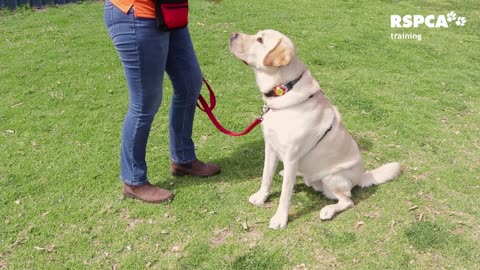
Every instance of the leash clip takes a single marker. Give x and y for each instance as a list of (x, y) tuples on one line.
[(265, 109)]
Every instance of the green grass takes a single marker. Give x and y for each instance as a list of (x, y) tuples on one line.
[(63, 99)]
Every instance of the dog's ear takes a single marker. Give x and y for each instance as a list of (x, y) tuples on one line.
[(279, 56)]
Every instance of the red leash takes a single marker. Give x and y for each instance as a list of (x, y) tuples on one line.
[(209, 111)]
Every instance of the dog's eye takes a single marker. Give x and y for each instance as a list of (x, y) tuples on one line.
[(260, 40)]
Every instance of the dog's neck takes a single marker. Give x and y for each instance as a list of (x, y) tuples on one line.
[(268, 78)]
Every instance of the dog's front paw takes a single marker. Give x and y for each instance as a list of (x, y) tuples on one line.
[(258, 198), (279, 221), (327, 212)]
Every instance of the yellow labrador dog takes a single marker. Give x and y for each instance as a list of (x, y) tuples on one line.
[(302, 129)]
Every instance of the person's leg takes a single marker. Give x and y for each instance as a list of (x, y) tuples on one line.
[(143, 52), (186, 76)]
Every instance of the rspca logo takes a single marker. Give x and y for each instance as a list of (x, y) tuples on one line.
[(430, 21), (420, 21)]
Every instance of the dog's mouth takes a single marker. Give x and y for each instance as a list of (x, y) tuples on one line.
[(239, 56)]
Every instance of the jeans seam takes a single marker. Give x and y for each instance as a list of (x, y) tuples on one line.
[(184, 117), (111, 18), (141, 95)]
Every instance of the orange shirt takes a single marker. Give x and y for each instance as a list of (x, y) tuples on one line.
[(143, 8)]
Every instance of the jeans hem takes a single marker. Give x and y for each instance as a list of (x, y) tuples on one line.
[(134, 183), (183, 162)]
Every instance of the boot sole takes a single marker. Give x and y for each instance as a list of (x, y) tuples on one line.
[(131, 196), (180, 173)]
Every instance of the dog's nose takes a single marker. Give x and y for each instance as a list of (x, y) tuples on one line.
[(233, 36)]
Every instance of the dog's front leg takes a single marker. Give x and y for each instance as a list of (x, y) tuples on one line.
[(269, 167), (280, 219)]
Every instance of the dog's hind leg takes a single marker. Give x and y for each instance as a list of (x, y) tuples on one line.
[(336, 187), (269, 167), (316, 185)]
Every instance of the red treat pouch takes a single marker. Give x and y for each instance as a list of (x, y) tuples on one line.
[(171, 14)]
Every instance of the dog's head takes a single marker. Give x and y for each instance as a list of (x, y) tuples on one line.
[(265, 50)]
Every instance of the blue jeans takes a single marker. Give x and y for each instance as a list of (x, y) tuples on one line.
[(146, 54)]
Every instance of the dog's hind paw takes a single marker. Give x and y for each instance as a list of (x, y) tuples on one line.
[(258, 198), (327, 212), (279, 221)]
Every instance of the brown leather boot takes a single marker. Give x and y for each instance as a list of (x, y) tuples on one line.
[(147, 193), (196, 168)]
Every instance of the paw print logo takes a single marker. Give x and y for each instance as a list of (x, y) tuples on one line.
[(461, 21), (451, 16)]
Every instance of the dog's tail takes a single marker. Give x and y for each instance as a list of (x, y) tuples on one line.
[(380, 175)]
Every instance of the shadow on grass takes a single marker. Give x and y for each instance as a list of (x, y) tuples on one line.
[(242, 164), (313, 201), (246, 162)]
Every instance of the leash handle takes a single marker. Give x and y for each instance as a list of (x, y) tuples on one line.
[(208, 109)]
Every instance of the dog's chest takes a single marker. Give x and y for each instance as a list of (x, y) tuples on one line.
[(286, 130)]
